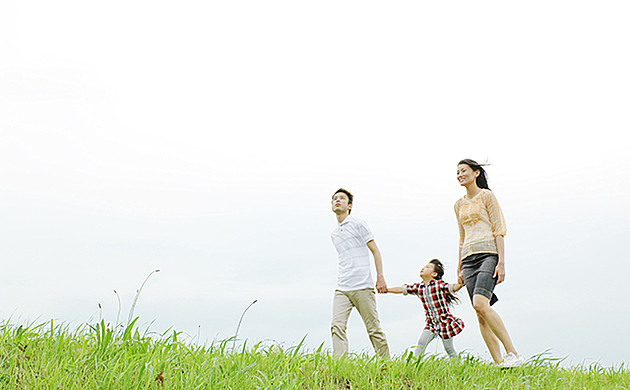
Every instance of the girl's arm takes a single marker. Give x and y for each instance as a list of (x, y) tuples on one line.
[(395, 290), (456, 286)]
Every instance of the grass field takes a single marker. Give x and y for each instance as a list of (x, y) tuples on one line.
[(50, 356)]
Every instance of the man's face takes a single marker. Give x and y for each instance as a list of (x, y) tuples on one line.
[(340, 203)]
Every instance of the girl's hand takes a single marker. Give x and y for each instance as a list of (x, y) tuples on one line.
[(499, 273)]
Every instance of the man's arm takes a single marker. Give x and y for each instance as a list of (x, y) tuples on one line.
[(381, 286)]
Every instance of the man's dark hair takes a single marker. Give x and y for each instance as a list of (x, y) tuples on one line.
[(343, 190)]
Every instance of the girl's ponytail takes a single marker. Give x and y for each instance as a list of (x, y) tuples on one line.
[(439, 270)]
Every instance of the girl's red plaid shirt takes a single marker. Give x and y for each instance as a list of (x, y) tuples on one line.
[(440, 320)]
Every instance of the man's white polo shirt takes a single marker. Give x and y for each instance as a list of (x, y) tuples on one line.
[(350, 240)]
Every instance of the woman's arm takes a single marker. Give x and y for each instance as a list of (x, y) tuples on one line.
[(460, 276), (497, 223), (499, 271)]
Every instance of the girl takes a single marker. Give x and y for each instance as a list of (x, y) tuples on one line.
[(481, 257), (436, 296)]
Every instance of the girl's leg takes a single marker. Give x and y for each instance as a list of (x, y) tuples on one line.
[(449, 347), (425, 338), (492, 327)]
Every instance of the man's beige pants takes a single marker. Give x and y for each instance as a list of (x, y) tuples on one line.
[(365, 302)]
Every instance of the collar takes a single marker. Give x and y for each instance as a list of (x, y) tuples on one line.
[(345, 221), (476, 195)]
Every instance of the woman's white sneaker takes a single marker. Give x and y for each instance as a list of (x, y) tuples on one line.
[(511, 360)]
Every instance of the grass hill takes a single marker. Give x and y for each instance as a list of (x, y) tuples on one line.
[(50, 356)]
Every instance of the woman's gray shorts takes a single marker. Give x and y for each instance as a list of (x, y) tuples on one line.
[(478, 271)]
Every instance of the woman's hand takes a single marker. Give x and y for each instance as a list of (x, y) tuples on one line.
[(460, 275), (499, 272)]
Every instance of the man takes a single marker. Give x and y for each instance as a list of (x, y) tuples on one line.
[(355, 287)]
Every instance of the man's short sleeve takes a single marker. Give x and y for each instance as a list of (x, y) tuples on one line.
[(364, 231)]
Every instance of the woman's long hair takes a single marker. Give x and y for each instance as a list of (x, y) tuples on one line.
[(482, 179), (438, 268)]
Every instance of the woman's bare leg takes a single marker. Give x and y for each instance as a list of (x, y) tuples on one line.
[(492, 342), (492, 328)]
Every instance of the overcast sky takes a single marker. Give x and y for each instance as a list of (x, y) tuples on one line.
[(205, 139)]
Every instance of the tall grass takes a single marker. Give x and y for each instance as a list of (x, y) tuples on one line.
[(99, 356), (121, 356)]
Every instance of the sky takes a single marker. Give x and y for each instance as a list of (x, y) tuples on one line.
[(205, 139)]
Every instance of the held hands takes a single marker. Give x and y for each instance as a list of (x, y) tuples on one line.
[(460, 276), (381, 286), (499, 273)]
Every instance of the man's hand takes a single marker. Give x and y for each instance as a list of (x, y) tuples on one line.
[(381, 286)]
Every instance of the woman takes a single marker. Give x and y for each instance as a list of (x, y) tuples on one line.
[(481, 257)]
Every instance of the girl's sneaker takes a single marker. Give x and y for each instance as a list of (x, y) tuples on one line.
[(511, 360)]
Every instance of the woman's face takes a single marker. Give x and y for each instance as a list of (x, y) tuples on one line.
[(465, 175)]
